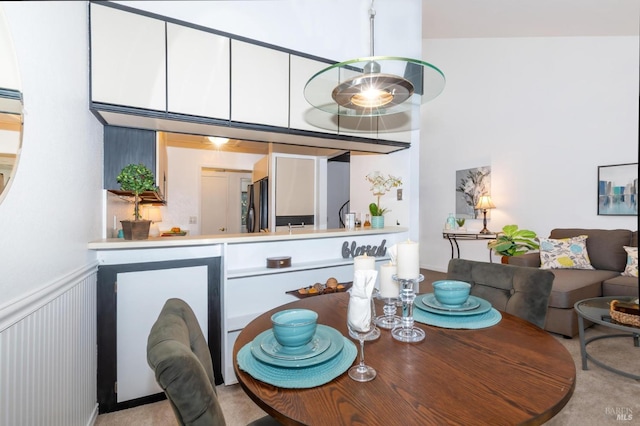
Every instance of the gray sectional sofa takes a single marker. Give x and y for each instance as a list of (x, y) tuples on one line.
[(605, 249)]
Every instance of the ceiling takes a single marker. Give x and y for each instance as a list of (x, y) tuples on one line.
[(529, 18)]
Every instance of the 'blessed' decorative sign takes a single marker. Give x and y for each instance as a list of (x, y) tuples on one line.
[(354, 250)]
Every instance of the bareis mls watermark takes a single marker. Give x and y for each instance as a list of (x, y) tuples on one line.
[(619, 413)]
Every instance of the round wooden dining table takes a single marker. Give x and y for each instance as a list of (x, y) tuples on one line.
[(510, 373)]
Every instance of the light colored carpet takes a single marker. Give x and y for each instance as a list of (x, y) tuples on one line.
[(600, 395), (600, 398)]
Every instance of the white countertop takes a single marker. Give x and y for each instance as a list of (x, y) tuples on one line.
[(201, 240)]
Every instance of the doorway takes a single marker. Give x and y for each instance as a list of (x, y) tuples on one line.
[(221, 200)]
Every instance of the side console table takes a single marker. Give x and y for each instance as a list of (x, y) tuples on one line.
[(597, 310), (454, 236)]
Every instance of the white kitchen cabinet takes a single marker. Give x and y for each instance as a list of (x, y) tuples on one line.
[(303, 116), (259, 85), (198, 73), (250, 288), (132, 287), (127, 59), (140, 298)]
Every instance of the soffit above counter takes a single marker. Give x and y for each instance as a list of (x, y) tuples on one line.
[(177, 123)]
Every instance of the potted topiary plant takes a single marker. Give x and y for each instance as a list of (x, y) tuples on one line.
[(513, 242), (380, 186), (136, 178)]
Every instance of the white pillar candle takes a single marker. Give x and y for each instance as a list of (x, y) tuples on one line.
[(388, 286), (408, 264), (364, 262)]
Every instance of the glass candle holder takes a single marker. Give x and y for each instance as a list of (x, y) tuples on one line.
[(406, 332), (389, 319)]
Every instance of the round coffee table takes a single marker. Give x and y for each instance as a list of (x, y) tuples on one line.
[(597, 310)]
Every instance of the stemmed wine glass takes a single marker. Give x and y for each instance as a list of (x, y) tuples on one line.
[(375, 332), (361, 372)]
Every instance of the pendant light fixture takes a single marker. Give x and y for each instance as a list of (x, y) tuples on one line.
[(375, 85)]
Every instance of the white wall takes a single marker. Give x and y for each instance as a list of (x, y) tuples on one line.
[(395, 164), (544, 113), (51, 211), (54, 206)]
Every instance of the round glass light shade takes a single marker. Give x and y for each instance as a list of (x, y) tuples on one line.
[(374, 86)]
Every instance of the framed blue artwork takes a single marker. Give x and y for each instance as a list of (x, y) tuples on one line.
[(618, 190)]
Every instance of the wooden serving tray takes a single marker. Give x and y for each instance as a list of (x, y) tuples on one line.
[(327, 290)]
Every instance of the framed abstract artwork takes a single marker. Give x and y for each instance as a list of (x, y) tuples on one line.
[(618, 190)]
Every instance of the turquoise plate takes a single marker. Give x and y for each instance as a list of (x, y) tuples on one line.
[(431, 301), (336, 343), (269, 345), (487, 319), (423, 303), (298, 378)]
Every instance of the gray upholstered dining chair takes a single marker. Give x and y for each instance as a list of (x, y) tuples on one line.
[(517, 290), (180, 358)]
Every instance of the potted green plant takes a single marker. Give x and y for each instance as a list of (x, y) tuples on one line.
[(513, 242), (136, 178), (380, 186)]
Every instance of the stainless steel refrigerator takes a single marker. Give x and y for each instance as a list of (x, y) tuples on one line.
[(258, 206)]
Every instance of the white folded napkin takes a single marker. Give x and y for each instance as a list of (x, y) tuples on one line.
[(393, 253), (359, 311)]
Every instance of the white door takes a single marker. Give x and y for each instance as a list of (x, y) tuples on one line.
[(214, 212)]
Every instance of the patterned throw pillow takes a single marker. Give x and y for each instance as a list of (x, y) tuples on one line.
[(631, 270), (565, 253)]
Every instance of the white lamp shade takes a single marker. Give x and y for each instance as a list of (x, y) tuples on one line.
[(154, 214), (485, 203)]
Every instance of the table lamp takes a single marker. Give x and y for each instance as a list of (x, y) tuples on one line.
[(484, 204), (155, 216)]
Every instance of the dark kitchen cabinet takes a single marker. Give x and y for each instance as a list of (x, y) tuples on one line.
[(124, 146)]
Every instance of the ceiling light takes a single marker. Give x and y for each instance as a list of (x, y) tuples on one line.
[(217, 141), (359, 87)]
